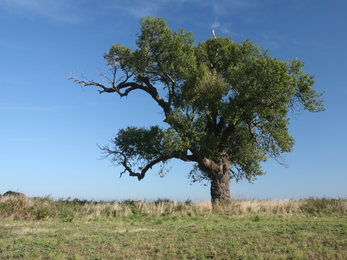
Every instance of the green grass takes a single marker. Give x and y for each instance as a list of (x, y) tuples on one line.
[(162, 229)]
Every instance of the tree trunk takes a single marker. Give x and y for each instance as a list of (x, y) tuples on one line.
[(219, 175), (220, 185)]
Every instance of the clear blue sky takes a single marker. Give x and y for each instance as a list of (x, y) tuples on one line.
[(50, 127)]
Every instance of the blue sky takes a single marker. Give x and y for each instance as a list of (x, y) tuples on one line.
[(50, 127)]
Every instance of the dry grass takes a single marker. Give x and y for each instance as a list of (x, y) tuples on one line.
[(24, 208)]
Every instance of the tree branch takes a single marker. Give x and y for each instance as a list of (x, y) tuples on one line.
[(167, 76), (123, 160), (87, 82), (124, 88), (225, 137)]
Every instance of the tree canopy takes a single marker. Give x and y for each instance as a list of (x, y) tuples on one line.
[(226, 104)]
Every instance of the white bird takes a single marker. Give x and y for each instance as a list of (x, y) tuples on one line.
[(213, 34)]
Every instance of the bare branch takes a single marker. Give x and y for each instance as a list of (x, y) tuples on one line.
[(124, 88), (87, 82), (122, 159)]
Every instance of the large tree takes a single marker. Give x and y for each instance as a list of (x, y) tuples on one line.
[(225, 104)]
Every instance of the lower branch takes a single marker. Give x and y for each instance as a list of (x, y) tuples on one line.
[(123, 160)]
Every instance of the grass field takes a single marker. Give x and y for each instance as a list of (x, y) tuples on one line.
[(43, 228)]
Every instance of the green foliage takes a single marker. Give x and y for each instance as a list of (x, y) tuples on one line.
[(141, 143), (163, 55)]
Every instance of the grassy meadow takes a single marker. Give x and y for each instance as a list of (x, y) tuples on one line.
[(44, 228)]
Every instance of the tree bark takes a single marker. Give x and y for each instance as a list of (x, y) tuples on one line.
[(219, 174), (220, 186)]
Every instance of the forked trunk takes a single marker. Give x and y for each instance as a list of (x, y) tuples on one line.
[(220, 186)]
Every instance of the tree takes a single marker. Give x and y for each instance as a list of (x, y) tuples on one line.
[(225, 107)]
